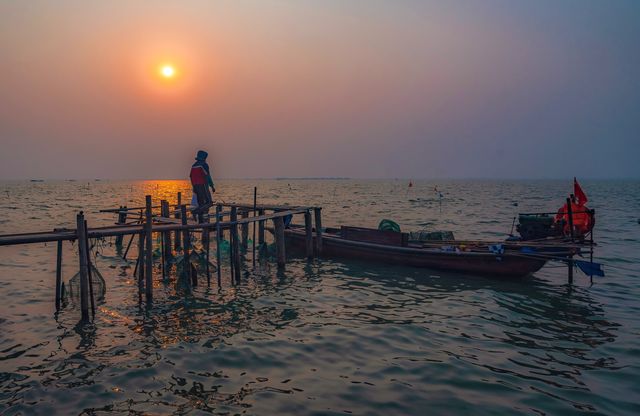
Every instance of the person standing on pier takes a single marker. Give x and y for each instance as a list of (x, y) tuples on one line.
[(201, 181)]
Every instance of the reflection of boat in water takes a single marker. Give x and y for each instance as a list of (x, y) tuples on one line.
[(394, 248)]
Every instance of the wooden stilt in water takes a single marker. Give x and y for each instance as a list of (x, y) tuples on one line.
[(261, 228), (206, 245), (90, 275), (162, 259), (218, 256), (245, 231), (149, 250), (58, 275), (253, 239), (235, 244), (178, 214), (166, 236), (570, 215), (84, 273), (593, 214), (308, 227), (186, 262), (140, 264), (318, 217), (570, 261), (122, 218), (278, 225)]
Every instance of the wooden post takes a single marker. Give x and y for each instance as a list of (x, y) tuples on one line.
[(84, 272), (253, 240), (218, 265), (318, 217), (570, 215), (89, 275), (207, 246), (278, 225), (261, 227), (308, 227), (166, 236), (139, 264), (177, 215), (149, 250), (233, 216), (592, 213), (235, 244), (186, 255), (59, 275), (122, 218), (245, 231)]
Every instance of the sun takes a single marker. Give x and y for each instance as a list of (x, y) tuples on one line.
[(167, 71)]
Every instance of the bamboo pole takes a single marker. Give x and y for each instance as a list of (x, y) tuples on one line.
[(308, 226), (318, 217), (149, 250), (278, 225), (82, 253), (59, 275)]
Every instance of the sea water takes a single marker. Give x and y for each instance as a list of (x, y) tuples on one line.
[(326, 336)]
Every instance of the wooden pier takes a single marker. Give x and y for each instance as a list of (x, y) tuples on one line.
[(175, 229)]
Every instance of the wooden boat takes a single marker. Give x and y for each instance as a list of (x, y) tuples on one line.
[(394, 248)]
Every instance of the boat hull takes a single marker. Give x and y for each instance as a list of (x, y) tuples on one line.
[(483, 264)]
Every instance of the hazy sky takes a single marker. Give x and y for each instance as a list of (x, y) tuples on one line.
[(412, 89)]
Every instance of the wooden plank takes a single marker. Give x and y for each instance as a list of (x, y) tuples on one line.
[(112, 231)]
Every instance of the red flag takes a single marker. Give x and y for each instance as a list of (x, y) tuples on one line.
[(581, 197)]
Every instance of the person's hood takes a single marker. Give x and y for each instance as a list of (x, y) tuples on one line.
[(202, 155)]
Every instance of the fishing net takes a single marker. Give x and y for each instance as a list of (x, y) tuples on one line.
[(72, 289)]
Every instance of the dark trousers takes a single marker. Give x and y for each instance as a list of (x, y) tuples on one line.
[(204, 201)]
